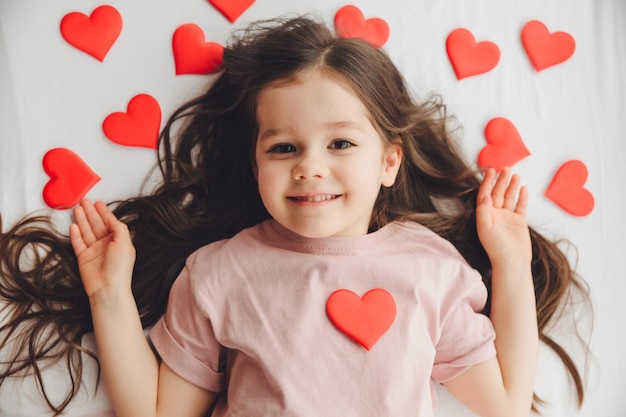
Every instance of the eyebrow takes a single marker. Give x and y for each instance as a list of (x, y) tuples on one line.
[(268, 133)]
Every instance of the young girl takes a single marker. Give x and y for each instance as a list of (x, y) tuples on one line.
[(330, 245)]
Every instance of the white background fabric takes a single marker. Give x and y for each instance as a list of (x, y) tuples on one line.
[(52, 95)]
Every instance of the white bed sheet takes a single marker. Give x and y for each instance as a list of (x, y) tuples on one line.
[(52, 95)]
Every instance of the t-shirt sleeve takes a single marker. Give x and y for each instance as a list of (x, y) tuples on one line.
[(184, 338), (467, 336)]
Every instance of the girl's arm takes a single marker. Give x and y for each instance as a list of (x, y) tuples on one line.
[(504, 385), (137, 385)]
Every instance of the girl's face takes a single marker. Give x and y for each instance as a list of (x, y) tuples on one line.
[(320, 162)]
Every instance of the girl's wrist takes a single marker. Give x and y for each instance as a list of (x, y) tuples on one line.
[(109, 296), (511, 268)]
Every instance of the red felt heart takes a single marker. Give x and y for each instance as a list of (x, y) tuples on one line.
[(469, 57), (70, 178), (139, 126), (363, 319), (350, 23), (94, 34), (192, 55), (232, 9), (505, 146), (545, 49), (567, 189)]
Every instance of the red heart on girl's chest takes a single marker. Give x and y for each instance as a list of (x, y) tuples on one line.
[(546, 49), (70, 178), (363, 319), (350, 23), (95, 34), (469, 57), (192, 55), (505, 146), (567, 189), (139, 126)]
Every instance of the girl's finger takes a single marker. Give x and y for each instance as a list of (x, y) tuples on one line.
[(510, 195), (499, 189), (84, 227), (78, 244), (103, 211), (95, 219), (522, 201), (484, 191), (118, 229)]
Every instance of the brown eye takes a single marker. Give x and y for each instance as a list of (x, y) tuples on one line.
[(282, 148), (341, 144)]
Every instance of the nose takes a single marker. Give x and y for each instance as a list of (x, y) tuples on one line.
[(310, 167)]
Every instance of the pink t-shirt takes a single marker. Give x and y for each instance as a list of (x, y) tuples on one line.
[(248, 317)]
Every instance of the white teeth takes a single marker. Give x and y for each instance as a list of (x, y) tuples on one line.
[(315, 198)]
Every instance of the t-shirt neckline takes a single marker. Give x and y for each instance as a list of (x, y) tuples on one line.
[(333, 244)]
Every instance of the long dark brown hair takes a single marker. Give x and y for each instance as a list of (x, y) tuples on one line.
[(207, 191)]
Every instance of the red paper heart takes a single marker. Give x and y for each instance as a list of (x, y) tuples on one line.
[(364, 319), (567, 189), (94, 34), (192, 55), (505, 146), (70, 178), (139, 126), (545, 49), (350, 23), (468, 57), (232, 9)]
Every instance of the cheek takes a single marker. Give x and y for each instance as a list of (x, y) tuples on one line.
[(262, 188), (261, 179), (366, 171), (268, 180)]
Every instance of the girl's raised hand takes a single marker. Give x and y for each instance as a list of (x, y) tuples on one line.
[(103, 247), (501, 217)]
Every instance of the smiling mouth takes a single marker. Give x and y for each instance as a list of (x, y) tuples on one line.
[(314, 198)]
